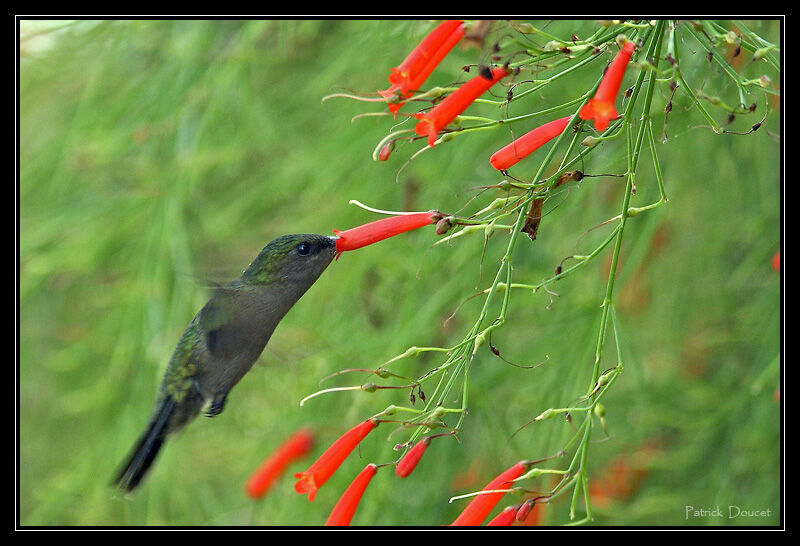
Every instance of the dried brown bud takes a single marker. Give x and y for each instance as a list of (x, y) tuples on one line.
[(444, 225)]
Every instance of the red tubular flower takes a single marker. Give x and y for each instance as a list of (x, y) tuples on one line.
[(346, 506), (504, 518), (412, 73), (527, 144), (446, 111), (419, 64), (419, 78), (360, 236), (601, 108), (776, 261), (409, 461), (477, 510), (324, 467), (295, 447)]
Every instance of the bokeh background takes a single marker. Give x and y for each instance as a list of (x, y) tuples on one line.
[(159, 156)]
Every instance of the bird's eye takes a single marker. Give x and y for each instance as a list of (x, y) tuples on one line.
[(303, 249)]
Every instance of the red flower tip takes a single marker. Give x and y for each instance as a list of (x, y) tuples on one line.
[(524, 510), (601, 107), (530, 513), (297, 445), (477, 510), (386, 151), (324, 467), (346, 506), (504, 518), (357, 237), (527, 144), (446, 111), (409, 461), (776, 261), (601, 111)]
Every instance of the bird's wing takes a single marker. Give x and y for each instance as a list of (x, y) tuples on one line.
[(217, 316)]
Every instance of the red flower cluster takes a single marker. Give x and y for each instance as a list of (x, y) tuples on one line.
[(405, 80), (323, 468)]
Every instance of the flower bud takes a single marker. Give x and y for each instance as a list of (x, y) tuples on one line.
[(409, 461), (386, 151), (444, 225)]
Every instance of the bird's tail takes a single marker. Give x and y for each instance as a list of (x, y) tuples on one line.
[(146, 448)]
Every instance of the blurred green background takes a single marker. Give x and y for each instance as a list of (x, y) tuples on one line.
[(156, 156)]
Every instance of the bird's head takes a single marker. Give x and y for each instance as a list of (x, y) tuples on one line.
[(294, 259)]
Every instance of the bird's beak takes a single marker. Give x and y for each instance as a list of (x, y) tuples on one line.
[(333, 239)]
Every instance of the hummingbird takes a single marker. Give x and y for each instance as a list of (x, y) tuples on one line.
[(224, 340)]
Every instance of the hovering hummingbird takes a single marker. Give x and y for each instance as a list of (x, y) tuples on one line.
[(225, 338)]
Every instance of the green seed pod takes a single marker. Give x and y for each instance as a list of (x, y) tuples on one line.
[(759, 53), (546, 414), (600, 410)]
